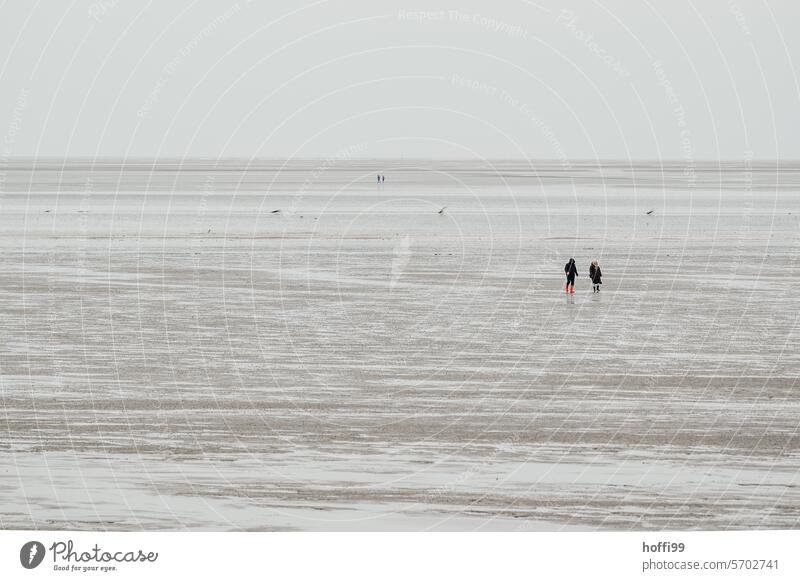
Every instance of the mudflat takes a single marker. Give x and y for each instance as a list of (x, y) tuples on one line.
[(291, 346)]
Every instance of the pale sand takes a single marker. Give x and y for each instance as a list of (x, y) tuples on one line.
[(359, 361)]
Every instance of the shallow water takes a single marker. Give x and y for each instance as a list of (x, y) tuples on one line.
[(177, 356)]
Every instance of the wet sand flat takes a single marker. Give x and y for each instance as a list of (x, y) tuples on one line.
[(293, 347)]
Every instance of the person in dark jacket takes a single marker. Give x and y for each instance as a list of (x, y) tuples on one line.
[(571, 271), (596, 275)]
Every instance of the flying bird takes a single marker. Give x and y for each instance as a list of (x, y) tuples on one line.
[(649, 212), (441, 211)]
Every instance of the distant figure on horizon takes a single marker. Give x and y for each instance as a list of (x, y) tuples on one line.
[(379, 178), (571, 271), (383, 178), (596, 275)]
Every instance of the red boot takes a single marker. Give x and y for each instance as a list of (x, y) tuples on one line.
[(566, 289), (572, 290)]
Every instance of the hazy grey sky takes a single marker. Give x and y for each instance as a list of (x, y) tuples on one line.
[(510, 78)]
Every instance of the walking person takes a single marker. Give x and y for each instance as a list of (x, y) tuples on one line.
[(596, 275), (571, 271)]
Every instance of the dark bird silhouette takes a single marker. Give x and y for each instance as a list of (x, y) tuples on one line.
[(441, 211), (275, 212), (649, 212)]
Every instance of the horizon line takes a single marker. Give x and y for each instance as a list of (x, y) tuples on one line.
[(339, 158)]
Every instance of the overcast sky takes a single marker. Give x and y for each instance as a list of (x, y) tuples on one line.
[(508, 78)]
